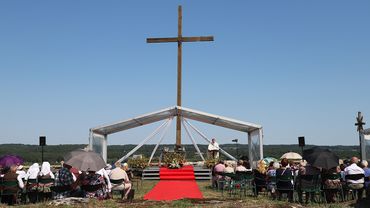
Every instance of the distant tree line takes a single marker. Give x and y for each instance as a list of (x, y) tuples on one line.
[(54, 153)]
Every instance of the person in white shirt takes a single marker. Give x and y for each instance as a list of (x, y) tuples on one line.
[(103, 172), (213, 149), (118, 174), (21, 173), (352, 170)]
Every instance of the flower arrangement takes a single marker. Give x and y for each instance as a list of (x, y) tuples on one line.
[(174, 159), (138, 163), (174, 164), (210, 163)]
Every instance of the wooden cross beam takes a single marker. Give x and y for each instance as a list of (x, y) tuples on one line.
[(179, 39)]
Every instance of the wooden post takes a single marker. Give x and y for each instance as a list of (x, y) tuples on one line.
[(179, 77), (179, 39)]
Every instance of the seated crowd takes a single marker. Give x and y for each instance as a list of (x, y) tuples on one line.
[(45, 183), (287, 177)]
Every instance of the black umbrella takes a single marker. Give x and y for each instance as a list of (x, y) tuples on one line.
[(309, 153), (321, 158)]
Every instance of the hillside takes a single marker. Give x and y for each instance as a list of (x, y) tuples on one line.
[(54, 153)]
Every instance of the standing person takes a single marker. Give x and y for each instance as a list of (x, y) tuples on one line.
[(213, 149), (118, 174)]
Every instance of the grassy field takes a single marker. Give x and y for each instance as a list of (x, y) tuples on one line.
[(212, 198)]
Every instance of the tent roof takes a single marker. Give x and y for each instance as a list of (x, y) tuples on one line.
[(175, 111), (366, 131)]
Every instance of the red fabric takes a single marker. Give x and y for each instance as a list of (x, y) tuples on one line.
[(183, 173), (175, 184), (174, 190)]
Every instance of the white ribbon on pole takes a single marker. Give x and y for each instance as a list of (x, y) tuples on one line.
[(160, 140), (192, 140), (209, 141), (143, 142)]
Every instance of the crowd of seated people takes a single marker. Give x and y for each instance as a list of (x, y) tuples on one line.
[(44, 183), (287, 177)]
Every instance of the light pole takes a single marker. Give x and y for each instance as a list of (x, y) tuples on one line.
[(301, 143), (236, 143), (42, 143)]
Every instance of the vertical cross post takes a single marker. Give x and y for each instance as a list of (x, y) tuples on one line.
[(179, 39), (179, 77)]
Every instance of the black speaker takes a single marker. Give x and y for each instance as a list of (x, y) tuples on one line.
[(301, 141), (42, 140)]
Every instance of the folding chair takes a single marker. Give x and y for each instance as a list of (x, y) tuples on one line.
[(116, 183), (310, 185), (260, 182), (355, 192), (10, 191), (44, 188), (31, 189), (335, 188), (285, 184)]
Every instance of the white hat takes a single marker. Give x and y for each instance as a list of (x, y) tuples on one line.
[(108, 167)]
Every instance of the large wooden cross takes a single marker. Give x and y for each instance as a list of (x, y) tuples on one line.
[(179, 39)]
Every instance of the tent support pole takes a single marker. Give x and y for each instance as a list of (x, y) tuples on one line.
[(160, 140), (209, 141), (192, 140), (143, 142)]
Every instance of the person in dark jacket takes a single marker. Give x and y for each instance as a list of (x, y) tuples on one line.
[(285, 186)]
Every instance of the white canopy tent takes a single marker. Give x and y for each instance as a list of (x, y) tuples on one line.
[(99, 135), (365, 144)]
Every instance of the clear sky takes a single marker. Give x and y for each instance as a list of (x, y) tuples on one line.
[(295, 67)]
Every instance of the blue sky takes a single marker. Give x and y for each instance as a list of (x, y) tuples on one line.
[(295, 67)]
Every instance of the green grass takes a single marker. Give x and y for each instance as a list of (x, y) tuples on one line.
[(212, 198)]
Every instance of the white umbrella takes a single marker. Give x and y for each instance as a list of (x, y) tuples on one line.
[(291, 156)]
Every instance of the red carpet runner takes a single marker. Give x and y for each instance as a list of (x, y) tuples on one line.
[(175, 184)]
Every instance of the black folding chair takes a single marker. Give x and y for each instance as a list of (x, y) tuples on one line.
[(310, 185), (333, 186), (44, 188), (116, 183), (31, 189), (351, 188), (9, 192), (284, 184)]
